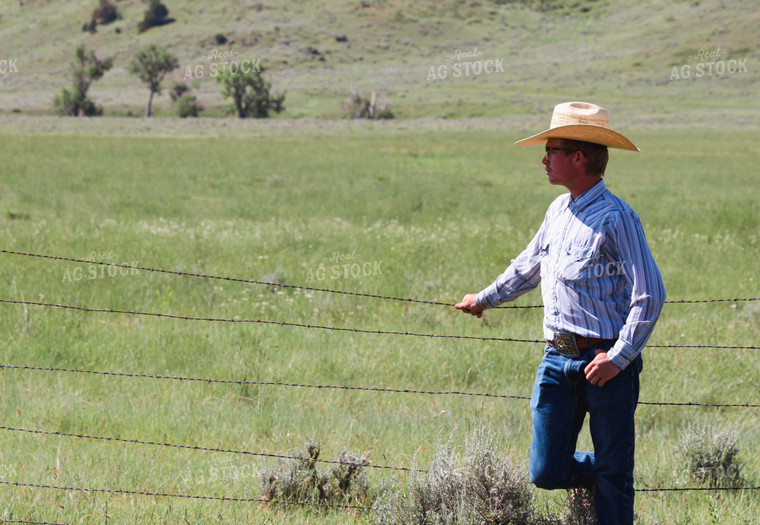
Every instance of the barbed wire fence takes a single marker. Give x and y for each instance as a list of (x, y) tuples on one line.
[(145, 376)]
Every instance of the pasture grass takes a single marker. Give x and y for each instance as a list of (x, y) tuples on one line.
[(435, 214)]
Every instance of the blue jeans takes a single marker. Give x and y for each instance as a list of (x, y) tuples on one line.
[(561, 398)]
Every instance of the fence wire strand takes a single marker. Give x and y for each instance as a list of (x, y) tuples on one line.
[(330, 328), (32, 522), (203, 449), (308, 504), (343, 387), (185, 496), (326, 290)]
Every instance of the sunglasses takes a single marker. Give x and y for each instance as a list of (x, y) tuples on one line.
[(552, 150)]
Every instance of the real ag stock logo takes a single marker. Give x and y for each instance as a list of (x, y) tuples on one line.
[(344, 267), (221, 63), (707, 66), (100, 269), (466, 67)]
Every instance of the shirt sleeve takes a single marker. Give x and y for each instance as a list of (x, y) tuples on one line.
[(521, 276), (647, 289)]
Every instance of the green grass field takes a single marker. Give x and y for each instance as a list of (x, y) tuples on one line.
[(431, 206), (436, 214)]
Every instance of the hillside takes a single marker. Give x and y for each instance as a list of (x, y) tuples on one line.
[(618, 53)]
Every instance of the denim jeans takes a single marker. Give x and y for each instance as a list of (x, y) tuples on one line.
[(561, 398)]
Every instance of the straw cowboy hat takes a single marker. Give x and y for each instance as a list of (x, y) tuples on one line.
[(581, 121)]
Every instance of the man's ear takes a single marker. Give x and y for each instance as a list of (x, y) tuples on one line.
[(579, 158)]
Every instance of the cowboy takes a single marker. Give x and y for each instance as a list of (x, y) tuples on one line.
[(602, 295)]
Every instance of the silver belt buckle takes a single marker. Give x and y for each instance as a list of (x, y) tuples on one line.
[(565, 344)]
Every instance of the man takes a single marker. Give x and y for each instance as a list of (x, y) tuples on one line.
[(602, 295)]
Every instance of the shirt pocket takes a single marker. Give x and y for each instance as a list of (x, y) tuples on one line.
[(579, 263)]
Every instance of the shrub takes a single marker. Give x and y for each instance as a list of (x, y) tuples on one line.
[(481, 487), (91, 26), (105, 13), (302, 481), (188, 106), (156, 15), (360, 107), (711, 456)]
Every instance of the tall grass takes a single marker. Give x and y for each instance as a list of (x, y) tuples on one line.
[(440, 213)]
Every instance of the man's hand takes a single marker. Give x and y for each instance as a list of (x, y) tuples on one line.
[(469, 305), (601, 369)]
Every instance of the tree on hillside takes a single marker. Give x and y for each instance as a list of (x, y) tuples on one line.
[(86, 69), (250, 93), (151, 65)]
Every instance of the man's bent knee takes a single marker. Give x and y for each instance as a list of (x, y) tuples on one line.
[(545, 478)]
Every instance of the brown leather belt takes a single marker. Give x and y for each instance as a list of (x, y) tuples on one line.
[(570, 344)]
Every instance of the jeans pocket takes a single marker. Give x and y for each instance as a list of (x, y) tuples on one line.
[(574, 373)]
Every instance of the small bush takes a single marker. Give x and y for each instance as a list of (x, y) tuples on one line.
[(481, 487), (711, 456), (580, 507), (302, 481), (220, 39), (105, 13), (375, 107), (91, 26), (156, 15), (186, 104)]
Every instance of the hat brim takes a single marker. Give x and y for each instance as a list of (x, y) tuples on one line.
[(584, 132)]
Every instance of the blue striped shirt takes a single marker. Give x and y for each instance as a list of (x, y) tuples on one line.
[(598, 277)]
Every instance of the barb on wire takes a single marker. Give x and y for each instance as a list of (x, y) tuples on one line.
[(185, 496), (345, 387), (194, 447), (332, 328), (327, 290)]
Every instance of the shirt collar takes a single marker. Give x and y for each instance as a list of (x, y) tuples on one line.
[(588, 196)]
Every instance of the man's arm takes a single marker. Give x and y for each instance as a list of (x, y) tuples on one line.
[(647, 289)]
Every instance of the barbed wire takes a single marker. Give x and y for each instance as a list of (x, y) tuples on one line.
[(33, 522), (232, 279), (272, 383), (185, 496), (204, 449), (344, 387), (326, 290), (263, 321), (695, 489), (304, 503), (331, 328)]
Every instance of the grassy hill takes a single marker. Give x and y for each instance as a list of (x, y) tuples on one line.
[(620, 54)]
